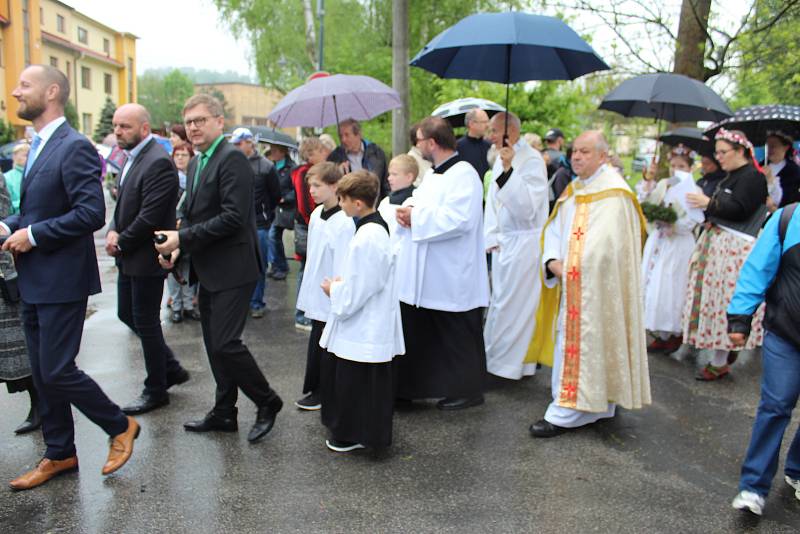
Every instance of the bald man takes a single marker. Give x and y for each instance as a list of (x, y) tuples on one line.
[(473, 147), (592, 296), (148, 191)]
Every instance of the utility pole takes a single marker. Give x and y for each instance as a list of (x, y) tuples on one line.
[(400, 75), (321, 17)]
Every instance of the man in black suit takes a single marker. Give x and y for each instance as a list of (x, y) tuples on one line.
[(61, 205), (219, 231), (148, 190)]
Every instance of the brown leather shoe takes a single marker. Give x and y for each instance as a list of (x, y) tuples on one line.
[(46, 470), (121, 447)]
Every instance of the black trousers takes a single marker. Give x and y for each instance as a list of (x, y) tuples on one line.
[(311, 382), (53, 333), (139, 307), (223, 315)]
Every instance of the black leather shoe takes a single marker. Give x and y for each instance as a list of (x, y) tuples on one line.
[(33, 422), (213, 421), (459, 404), (193, 314), (543, 429), (145, 403), (265, 420), (176, 317), (178, 377)]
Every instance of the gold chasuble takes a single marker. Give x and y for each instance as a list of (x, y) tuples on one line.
[(605, 350)]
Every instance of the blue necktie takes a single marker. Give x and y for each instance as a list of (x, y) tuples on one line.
[(33, 153)]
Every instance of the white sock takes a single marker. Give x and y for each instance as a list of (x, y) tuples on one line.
[(720, 358)]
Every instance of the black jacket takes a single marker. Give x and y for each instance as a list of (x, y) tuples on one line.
[(374, 160), (145, 203), (266, 190), (790, 183), (219, 223), (287, 202), (738, 196), (474, 150), (709, 182)]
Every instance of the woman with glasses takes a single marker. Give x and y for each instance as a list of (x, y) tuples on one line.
[(735, 214)]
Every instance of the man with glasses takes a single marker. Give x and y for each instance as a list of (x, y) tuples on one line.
[(473, 148), (219, 231)]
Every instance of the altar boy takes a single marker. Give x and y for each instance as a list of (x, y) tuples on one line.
[(363, 332)]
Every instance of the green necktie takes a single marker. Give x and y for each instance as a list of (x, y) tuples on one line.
[(200, 166)]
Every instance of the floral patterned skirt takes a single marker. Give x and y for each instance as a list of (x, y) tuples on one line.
[(717, 259)]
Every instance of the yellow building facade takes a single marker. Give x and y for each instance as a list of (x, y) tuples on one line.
[(99, 61)]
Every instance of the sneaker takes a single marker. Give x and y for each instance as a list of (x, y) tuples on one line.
[(310, 402), (300, 325), (709, 373), (747, 500), (257, 313), (344, 446), (279, 275), (795, 483)]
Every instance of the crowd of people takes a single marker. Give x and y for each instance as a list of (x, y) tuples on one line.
[(419, 275)]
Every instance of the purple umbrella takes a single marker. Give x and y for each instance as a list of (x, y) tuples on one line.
[(321, 101)]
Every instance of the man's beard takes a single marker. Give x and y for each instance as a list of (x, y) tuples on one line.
[(32, 110), (133, 143)]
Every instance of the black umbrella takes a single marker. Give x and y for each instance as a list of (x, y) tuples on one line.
[(271, 136), (690, 137), (664, 96), (757, 121)]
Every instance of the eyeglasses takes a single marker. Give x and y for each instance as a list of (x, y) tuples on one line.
[(719, 153), (199, 122)]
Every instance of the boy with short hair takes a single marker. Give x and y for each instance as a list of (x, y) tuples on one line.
[(329, 232), (364, 332), (403, 170)]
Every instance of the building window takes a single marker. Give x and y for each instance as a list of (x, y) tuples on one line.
[(107, 47), (107, 83), (60, 24), (87, 123), (83, 35), (86, 77), (53, 61)]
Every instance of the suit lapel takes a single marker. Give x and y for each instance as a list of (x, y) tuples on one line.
[(49, 148), (203, 174), (135, 165)]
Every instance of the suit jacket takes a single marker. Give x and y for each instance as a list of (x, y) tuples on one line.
[(145, 203), (219, 222), (62, 200)]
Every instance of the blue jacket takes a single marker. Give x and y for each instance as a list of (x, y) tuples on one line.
[(62, 200), (771, 274)]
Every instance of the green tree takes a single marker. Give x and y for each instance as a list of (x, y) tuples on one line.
[(7, 134), (227, 109), (105, 125), (164, 96), (71, 115)]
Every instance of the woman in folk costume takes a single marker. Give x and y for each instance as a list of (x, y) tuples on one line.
[(665, 262), (734, 216), (589, 324)]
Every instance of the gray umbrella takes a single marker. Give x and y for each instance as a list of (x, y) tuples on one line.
[(664, 96), (270, 136)]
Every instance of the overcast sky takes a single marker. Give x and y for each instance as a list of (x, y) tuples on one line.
[(172, 33)]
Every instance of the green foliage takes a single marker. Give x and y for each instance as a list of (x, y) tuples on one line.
[(71, 114), (658, 213), (7, 133), (164, 95), (204, 75), (105, 125), (769, 72), (227, 110)]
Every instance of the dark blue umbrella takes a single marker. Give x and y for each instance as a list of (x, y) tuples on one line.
[(508, 48)]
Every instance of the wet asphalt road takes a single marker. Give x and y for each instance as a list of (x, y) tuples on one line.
[(670, 468)]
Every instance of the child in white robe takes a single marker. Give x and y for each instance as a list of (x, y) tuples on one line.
[(403, 170), (329, 232), (364, 332)]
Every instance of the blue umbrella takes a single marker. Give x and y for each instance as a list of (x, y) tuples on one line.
[(508, 48)]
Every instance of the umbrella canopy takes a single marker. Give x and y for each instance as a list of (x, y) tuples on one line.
[(664, 96), (757, 121), (455, 111), (269, 135), (321, 101), (508, 48), (690, 137)]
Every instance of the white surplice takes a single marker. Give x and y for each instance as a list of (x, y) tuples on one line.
[(325, 254), (514, 217), (441, 262), (556, 247)]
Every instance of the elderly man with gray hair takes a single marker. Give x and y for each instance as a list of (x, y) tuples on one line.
[(592, 296), (473, 148)]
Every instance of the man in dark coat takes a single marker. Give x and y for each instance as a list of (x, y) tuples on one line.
[(356, 153)]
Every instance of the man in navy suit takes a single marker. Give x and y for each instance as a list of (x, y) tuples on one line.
[(61, 205)]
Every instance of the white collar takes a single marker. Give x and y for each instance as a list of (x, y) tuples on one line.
[(50, 128), (597, 173)]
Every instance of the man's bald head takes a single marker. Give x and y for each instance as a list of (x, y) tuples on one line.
[(497, 128), (52, 76), (131, 125), (589, 153)]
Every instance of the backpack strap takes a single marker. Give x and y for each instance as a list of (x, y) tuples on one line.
[(783, 224)]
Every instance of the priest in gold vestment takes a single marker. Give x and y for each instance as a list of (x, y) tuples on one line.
[(589, 324)]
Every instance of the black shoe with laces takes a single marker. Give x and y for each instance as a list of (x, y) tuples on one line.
[(310, 402)]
